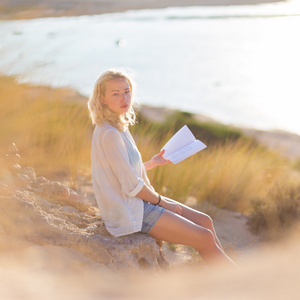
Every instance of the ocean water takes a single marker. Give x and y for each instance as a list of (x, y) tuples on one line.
[(237, 64)]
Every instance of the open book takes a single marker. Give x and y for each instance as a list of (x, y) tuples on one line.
[(182, 145)]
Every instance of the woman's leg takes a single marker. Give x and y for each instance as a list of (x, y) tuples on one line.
[(201, 219), (177, 229)]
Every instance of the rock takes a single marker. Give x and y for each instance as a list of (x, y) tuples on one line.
[(79, 202), (47, 212), (5, 190), (55, 191), (13, 149), (29, 172), (69, 209), (22, 216), (13, 158)]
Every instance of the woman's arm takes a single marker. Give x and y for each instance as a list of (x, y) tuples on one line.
[(151, 196), (156, 160)]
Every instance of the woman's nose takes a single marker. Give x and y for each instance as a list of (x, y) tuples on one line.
[(124, 96)]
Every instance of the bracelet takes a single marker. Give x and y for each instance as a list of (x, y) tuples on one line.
[(159, 199)]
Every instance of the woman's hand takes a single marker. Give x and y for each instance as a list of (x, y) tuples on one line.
[(172, 206), (156, 160)]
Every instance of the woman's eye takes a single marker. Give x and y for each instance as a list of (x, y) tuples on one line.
[(115, 94)]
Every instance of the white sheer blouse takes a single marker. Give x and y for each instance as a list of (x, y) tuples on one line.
[(118, 174)]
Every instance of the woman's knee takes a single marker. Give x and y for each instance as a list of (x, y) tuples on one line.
[(207, 222), (205, 239)]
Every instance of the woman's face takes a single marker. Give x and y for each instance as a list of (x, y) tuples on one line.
[(117, 95)]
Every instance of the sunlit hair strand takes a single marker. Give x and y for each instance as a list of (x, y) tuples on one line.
[(100, 112)]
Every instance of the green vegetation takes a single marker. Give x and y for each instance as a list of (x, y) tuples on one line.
[(53, 132), (207, 132)]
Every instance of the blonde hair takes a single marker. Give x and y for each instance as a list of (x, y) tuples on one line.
[(100, 112)]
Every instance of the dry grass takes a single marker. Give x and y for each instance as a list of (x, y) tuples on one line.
[(50, 127), (229, 176), (53, 132), (277, 212)]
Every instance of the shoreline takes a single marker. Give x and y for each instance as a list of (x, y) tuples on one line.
[(54, 8)]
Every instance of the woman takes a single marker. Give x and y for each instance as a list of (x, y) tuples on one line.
[(126, 199)]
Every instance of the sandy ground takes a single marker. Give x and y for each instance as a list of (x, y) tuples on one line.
[(232, 231), (24, 9), (286, 143)]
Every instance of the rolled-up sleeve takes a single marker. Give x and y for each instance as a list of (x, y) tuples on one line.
[(116, 154)]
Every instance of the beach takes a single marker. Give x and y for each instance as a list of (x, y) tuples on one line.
[(268, 270), (23, 9)]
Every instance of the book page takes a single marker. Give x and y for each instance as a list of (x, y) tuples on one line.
[(182, 145), (186, 152), (180, 139)]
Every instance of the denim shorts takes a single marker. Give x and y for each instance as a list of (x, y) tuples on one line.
[(151, 215)]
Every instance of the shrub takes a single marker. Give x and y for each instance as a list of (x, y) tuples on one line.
[(277, 212)]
